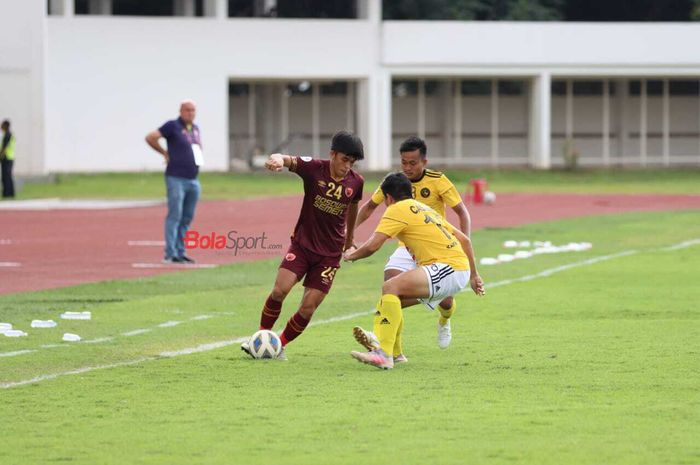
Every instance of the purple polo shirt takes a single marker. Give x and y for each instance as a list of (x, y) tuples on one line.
[(180, 142)]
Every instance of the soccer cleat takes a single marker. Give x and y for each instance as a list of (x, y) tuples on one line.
[(246, 348), (401, 358), (444, 335), (366, 339), (282, 355), (377, 358)]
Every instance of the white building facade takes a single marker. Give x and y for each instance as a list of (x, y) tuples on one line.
[(83, 90)]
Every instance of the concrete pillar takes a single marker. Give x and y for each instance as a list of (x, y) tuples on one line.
[(374, 119), (622, 98), (62, 8), (371, 10), (216, 9), (100, 7), (540, 121), (374, 101), (184, 8)]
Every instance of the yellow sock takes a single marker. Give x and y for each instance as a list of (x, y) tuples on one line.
[(398, 350), (446, 313), (387, 321)]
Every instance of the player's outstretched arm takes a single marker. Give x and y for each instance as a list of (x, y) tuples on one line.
[(350, 228), (365, 212), (277, 161), (465, 220), (373, 244), (477, 284)]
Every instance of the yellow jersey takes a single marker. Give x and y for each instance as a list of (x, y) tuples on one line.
[(427, 235), (433, 189)]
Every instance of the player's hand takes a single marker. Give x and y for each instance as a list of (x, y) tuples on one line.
[(348, 252), (166, 157), (275, 162), (477, 284)]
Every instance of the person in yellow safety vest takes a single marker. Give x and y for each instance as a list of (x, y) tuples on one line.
[(7, 159)]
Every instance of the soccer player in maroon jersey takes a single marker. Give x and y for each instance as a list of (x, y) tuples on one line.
[(332, 191)]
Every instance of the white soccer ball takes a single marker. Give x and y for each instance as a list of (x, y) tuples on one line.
[(265, 344), (489, 197)]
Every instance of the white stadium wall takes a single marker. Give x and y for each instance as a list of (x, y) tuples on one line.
[(83, 90), (22, 55)]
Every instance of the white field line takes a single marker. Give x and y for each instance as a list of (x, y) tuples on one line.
[(238, 340), (136, 332), (17, 352), (558, 269), (98, 340), (682, 245), (167, 324)]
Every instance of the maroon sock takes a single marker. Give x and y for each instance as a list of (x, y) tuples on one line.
[(270, 313), (295, 326)]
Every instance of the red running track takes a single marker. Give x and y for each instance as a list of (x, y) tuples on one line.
[(56, 248)]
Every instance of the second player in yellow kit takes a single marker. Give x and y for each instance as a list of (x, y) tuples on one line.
[(435, 190), (425, 233), (445, 265)]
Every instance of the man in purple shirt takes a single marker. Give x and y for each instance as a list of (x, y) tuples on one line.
[(183, 157)]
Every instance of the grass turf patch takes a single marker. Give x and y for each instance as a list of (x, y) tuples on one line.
[(595, 364)]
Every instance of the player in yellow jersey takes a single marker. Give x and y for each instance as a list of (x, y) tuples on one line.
[(435, 190), (444, 256)]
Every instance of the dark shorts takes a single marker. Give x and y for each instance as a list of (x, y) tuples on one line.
[(319, 270)]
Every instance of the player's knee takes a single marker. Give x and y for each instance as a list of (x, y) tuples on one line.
[(389, 288), (307, 310), (447, 302), (279, 293), (391, 273)]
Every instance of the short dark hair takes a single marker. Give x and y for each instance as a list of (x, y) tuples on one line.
[(398, 186), (414, 143), (6, 122), (349, 144)]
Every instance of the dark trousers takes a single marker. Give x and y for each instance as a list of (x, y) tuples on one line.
[(8, 186)]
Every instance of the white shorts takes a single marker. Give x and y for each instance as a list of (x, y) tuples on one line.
[(400, 260), (443, 282)]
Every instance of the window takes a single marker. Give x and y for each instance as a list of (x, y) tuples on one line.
[(476, 87), (511, 87), (684, 88), (142, 8)]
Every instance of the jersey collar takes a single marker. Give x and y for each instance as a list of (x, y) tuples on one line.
[(419, 179)]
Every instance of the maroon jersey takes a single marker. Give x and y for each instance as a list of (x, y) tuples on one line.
[(321, 224)]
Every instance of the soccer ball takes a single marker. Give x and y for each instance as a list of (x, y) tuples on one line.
[(489, 197), (265, 344)]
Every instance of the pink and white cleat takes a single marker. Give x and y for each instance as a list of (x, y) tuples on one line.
[(377, 358)]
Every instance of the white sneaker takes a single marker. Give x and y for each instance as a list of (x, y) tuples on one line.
[(444, 335)]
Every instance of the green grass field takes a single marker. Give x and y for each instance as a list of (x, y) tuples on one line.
[(238, 185), (593, 363)]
